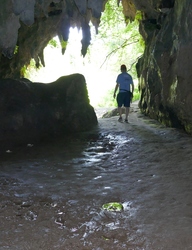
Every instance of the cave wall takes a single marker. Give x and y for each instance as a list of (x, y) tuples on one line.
[(165, 69)]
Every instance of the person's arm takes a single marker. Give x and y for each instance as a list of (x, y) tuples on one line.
[(116, 88), (133, 87)]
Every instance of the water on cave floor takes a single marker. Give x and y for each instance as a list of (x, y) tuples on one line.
[(52, 194)]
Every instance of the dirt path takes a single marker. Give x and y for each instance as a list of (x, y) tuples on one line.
[(51, 195)]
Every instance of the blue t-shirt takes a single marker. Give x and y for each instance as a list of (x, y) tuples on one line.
[(124, 80)]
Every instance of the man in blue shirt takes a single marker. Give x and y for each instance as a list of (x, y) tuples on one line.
[(126, 88)]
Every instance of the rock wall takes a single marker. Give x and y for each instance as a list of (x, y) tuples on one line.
[(31, 112), (165, 69)]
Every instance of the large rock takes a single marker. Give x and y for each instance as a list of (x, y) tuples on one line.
[(34, 111)]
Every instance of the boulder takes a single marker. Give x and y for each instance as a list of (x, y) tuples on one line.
[(31, 111)]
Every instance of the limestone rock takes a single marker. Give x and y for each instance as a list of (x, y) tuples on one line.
[(165, 69), (34, 111)]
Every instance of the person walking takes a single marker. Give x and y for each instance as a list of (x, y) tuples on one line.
[(126, 88)]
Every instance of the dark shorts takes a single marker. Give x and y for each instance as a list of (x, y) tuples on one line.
[(124, 98)]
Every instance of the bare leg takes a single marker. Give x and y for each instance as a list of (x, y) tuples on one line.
[(126, 113), (120, 112)]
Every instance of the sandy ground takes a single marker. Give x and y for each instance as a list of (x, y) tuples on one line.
[(51, 195)]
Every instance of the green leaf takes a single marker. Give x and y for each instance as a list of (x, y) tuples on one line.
[(113, 206)]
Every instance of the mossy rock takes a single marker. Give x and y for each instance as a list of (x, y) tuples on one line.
[(113, 207)]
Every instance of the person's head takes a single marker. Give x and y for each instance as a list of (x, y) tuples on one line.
[(123, 68)]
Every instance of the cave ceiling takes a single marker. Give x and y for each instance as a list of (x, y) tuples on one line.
[(26, 26)]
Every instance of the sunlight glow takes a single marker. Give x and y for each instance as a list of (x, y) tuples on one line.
[(98, 80)]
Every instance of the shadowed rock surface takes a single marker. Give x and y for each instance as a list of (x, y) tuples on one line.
[(164, 70), (35, 111)]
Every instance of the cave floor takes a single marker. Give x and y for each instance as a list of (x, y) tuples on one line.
[(51, 194)]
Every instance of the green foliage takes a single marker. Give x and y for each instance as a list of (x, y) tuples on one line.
[(27, 71), (63, 44), (136, 95), (16, 49), (113, 207), (23, 71), (53, 43), (138, 16), (108, 100), (111, 18), (122, 43)]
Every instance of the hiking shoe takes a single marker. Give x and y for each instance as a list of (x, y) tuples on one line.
[(126, 120), (120, 119)]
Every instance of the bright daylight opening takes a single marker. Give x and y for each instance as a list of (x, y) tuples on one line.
[(99, 80), (115, 44)]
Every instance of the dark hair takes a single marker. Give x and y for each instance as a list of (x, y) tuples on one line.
[(123, 67)]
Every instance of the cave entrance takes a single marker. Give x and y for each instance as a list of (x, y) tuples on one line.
[(116, 43)]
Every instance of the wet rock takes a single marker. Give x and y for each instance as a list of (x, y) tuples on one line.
[(30, 215)]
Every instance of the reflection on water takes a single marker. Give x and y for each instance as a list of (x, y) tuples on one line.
[(52, 194)]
